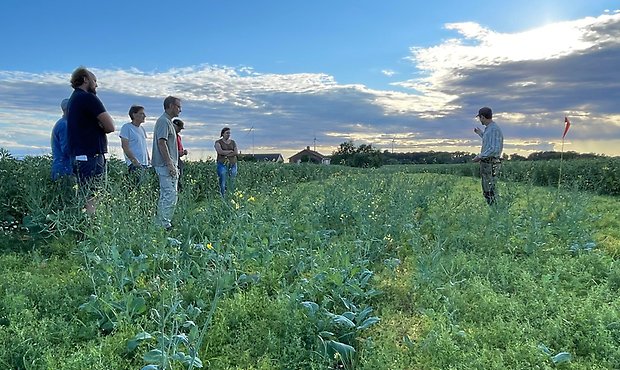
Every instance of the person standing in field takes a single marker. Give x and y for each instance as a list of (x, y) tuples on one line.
[(133, 142), (490, 154), (62, 161), (88, 122), (178, 127), (226, 149), (165, 159)]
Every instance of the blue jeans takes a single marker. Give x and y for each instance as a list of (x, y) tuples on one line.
[(226, 172)]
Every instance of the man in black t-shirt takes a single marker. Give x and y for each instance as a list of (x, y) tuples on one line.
[(88, 122)]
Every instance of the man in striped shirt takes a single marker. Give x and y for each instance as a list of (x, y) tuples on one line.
[(490, 154)]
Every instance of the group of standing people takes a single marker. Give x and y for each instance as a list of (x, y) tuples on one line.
[(79, 144)]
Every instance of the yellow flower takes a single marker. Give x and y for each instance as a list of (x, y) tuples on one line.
[(209, 246), (251, 199)]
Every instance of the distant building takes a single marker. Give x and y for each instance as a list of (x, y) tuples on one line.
[(308, 155), (273, 157)]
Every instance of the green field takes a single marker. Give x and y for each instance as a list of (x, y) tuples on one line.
[(309, 267)]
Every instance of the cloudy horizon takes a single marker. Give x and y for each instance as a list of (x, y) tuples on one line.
[(531, 78)]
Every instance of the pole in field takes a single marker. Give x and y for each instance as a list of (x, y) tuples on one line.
[(566, 127), (252, 132)]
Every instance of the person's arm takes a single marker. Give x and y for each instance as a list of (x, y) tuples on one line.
[(182, 151), (219, 150), (163, 150), (106, 122), (128, 152), (63, 139), (235, 151), (148, 156), (478, 131)]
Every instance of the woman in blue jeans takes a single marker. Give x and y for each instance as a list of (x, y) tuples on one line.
[(226, 160)]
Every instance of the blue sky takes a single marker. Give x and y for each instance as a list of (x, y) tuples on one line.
[(282, 73)]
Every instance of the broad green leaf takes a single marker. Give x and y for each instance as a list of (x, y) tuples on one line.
[(361, 316), (187, 359), (174, 242), (327, 334), (561, 358), (346, 351), (154, 355), (194, 332), (544, 348), (341, 320), (248, 279), (136, 305), (91, 305), (135, 341), (349, 315), (163, 339), (355, 290), (366, 275), (348, 304), (142, 336), (107, 325), (311, 306), (368, 322), (180, 338)]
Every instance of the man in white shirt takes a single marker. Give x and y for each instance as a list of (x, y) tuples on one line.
[(490, 154)]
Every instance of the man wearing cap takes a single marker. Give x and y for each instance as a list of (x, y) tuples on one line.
[(490, 154), (88, 122), (62, 161)]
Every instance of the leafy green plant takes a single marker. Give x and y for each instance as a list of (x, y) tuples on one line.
[(339, 333)]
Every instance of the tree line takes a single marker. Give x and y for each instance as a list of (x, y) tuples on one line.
[(365, 155)]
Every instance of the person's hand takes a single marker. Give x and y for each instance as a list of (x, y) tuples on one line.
[(172, 170), (478, 130)]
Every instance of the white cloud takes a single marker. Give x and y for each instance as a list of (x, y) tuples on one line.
[(531, 79)]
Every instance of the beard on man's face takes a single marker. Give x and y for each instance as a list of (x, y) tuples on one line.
[(92, 90)]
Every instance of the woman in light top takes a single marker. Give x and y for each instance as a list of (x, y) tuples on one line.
[(226, 149)]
